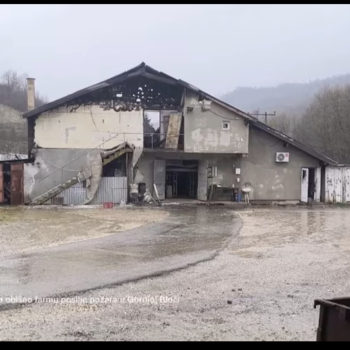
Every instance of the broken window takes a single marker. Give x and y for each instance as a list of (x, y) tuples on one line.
[(225, 125)]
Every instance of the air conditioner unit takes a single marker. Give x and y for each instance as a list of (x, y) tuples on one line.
[(282, 157)]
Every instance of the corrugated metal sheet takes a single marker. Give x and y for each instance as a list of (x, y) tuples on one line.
[(346, 177), (111, 189), (337, 184), (338, 179), (2, 195), (330, 184)]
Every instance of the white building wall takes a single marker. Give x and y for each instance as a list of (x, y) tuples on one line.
[(204, 132), (88, 127)]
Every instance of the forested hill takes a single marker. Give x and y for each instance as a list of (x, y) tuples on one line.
[(285, 98)]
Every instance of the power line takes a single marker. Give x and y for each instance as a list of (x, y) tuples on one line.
[(265, 114)]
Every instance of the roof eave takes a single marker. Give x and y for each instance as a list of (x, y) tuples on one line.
[(294, 143)]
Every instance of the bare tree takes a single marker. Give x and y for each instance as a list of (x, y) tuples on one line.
[(13, 91), (325, 125), (283, 122), (13, 101), (147, 124)]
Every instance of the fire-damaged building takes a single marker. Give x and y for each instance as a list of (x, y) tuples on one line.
[(92, 146)]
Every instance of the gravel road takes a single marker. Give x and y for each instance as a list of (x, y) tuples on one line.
[(261, 287)]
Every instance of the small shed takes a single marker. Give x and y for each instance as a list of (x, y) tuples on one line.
[(11, 181)]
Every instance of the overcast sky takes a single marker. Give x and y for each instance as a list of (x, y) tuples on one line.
[(215, 47)]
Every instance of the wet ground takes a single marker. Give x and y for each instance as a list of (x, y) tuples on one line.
[(260, 287), (185, 236), (27, 229)]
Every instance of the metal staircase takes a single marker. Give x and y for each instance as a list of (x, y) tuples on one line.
[(115, 155), (54, 191), (78, 178)]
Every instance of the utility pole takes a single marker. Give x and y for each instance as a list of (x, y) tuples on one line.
[(265, 114)]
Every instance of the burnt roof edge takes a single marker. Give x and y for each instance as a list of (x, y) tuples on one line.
[(61, 101)]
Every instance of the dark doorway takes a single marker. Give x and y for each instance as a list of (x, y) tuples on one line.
[(115, 168), (7, 183), (312, 185), (181, 179)]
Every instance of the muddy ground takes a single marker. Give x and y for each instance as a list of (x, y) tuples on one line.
[(261, 287), (27, 229)]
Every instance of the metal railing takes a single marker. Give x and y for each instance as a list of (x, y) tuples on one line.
[(158, 140)]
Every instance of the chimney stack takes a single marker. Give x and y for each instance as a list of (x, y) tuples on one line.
[(31, 93)]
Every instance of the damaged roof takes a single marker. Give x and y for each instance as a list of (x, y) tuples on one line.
[(149, 72)]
